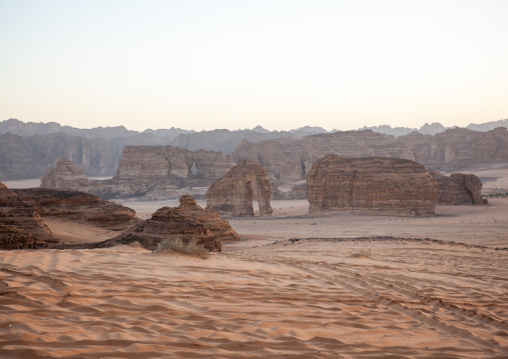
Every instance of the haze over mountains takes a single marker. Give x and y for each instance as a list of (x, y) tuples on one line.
[(30, 149)]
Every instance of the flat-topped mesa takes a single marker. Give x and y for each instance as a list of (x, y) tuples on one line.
[(21, 226), (186, 222), (459, 189), (232, 195), (79, 206), (371, 185), (157, 162), (65, 175), (290, 160)]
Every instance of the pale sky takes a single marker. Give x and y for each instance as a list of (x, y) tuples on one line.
[(238, 64)]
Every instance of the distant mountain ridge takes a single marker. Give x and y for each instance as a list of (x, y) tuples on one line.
[(28, 150)]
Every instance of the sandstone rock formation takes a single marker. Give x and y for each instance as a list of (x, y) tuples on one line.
[(187, 222), (21, 226), (31, 157), (145, 171), (65, 175), (290, 160), (373, 185), (233, 194), (458, 189), (165, 161), (79, 206), (459, 147)]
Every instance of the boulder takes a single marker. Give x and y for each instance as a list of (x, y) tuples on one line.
[(458, 189), (371, 185), (232, 195), (187, 222), (21, 226)]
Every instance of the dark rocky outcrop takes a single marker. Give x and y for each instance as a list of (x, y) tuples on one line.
[(187, 222), (458, 189), (232, 195), (80, 207), (373, 185), (21, 226)]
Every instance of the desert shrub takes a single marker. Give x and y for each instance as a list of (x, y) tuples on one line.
[(364, 253), (190, 248)]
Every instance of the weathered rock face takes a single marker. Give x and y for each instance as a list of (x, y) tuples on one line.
[(458, 189), (21, 226), (79, 206), (290, 160), (458, 147), (32, 156), (165, 161), (188, 221), (233, 194), (374, 185), (65, 175)]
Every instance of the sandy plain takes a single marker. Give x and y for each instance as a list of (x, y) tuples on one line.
[(296, 286)]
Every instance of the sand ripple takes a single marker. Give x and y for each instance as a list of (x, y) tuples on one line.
[(305, 299)]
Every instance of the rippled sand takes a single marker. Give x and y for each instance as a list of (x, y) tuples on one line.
[(271, 297)]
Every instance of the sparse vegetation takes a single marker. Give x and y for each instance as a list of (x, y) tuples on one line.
[(364, 253), (177, 245), (496, 194)]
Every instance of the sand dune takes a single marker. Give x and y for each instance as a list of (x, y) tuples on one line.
[(271, 297)]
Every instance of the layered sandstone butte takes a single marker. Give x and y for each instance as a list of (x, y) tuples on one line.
[(186, 222), (372, 185), (79, 206), (288, 159), (232, 195), (65, 175), (459, 147), (157, 162), (21, 226), (458, 189)]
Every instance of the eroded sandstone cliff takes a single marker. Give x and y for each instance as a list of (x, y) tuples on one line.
[(21, 226), (80, 207), (372, 185), (290, 159), (458, 189), (233, 194)]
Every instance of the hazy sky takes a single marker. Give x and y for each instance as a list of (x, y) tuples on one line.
[(237, 64)]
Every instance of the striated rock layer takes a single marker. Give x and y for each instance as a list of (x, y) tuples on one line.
[(372, 185), (21, 226), (459, 147), (459, 189), (232, 195), (288, 159), (164, 161), (79, 206), (187, 222), (64, 175)]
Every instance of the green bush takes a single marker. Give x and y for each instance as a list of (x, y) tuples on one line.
[(177, 245)]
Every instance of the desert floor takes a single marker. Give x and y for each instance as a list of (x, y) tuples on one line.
[(275, 294)]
